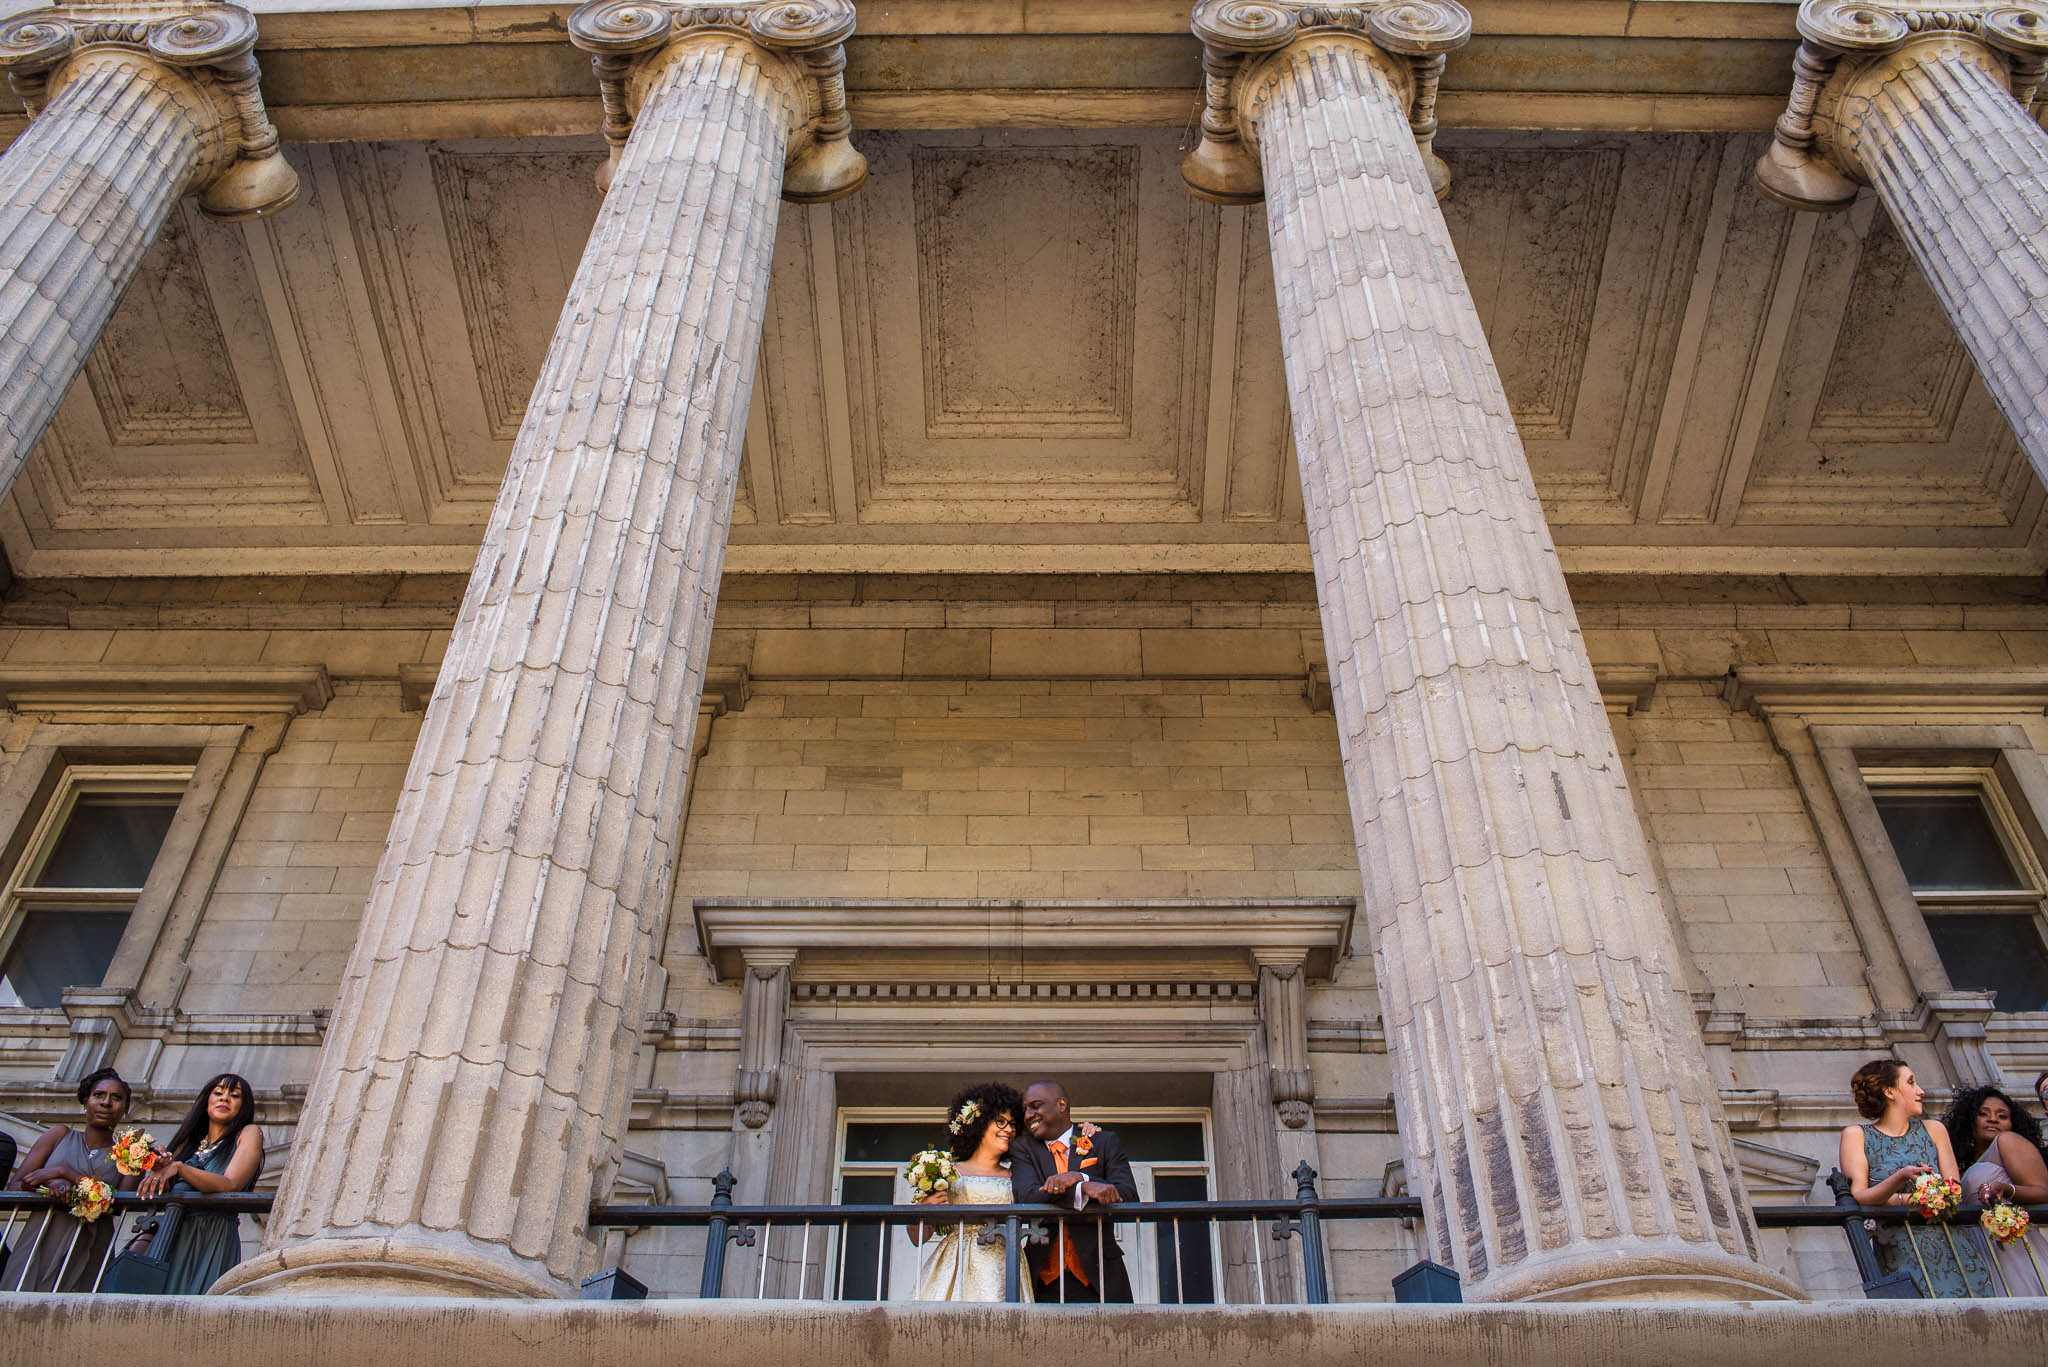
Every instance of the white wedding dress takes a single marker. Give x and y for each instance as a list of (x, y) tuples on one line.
[(958, 1266)]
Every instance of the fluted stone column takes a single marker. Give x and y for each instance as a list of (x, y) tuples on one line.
[(1556, 1110), (1929, 105), (134, 105), (472, 1094)]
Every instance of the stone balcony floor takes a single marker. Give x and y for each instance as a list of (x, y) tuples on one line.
[(52, 1331)]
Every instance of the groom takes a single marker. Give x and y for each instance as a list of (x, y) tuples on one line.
[(1053, 1163)]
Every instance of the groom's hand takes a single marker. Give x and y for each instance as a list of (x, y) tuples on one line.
[(1100, 1192), (1061, 1183)]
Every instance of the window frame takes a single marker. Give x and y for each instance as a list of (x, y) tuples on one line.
[(74, 781), (1995, 789)]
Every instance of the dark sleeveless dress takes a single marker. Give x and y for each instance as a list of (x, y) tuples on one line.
[(1942, 1261), (202, 1245)]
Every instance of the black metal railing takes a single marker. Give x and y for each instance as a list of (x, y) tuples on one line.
[(1214, 1252), (1860, 1225), (1211, 1252), (29, 1240)]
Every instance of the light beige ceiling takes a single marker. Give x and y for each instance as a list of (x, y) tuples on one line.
[(1031, 350)]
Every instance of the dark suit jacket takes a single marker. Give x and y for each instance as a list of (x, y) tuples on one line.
[(1031, 1163)]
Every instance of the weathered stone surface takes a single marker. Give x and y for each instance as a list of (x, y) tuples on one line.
[(144, 105), (1556, 1110), (473, 1092), (57, 1331)]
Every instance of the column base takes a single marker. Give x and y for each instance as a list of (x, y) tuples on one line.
[(386, 1266), (1636, 1270)]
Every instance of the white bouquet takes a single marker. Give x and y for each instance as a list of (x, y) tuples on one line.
[(931, 1172)]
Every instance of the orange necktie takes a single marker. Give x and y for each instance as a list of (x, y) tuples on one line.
[(1068, 1255)]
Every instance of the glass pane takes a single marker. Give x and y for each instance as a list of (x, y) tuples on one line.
[(1946, 842), (1162, 1141), (892, 1141), (1186, 1273), (59, 948), (1989, 951), (863, 1261), (109, 842)]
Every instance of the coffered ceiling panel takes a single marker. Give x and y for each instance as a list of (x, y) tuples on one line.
[(1878, 415), (1027, 328), (1031, 349)]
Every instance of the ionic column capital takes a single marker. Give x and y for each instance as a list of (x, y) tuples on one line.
[(801, 42), (1850, 50), (1404, 39), (200, 55)]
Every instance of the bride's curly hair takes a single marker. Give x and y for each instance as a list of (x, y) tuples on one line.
[(968, 1117)]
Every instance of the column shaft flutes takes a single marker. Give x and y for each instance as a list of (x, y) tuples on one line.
[(134, 106), (1964, 172), (83, 192), (1556, 1111), (472, 1095)]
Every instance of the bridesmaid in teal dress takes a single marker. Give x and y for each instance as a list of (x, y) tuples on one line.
[(217, 1149), (1883, 1156)]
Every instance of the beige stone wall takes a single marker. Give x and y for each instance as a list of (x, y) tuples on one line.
[(1754, 898), (1021, 788), (283, 916)]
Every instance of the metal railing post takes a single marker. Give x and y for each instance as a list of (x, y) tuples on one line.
[(1857, 1225), (1314, 1272), (1013, 1235), (713, 1284)]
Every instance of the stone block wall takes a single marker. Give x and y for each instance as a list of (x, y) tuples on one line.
[(996, 788)]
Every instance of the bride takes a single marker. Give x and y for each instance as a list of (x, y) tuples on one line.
[(958, 1266)]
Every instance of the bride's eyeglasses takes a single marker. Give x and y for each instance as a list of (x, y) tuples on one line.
[(1003, 1122)]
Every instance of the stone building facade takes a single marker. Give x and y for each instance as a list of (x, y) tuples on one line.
[(1025, 541)]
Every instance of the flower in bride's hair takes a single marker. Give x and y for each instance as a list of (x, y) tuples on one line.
[(969, 1112)]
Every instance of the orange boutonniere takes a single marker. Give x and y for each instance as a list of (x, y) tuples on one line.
[(1081, 1144)]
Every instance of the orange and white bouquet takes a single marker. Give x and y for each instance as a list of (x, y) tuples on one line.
[(2004, 1221), (90, 1199), (135, 1153), (1936, 1196)]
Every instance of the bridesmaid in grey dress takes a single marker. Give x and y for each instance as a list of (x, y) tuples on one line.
[(1883, 1156), (2001, 1144), (216, 1149), (64, 1254)]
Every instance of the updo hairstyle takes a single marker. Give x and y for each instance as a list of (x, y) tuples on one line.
[(1868, 1084)]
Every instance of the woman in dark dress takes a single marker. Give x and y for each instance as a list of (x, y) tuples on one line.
[(216, 1149), (64, 1254)]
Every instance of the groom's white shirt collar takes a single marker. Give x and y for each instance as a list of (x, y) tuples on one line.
[(1066, 1137)]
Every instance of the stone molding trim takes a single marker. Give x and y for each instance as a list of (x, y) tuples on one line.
[(148, 693), (628, 41), (1061, 940), (201, 55), (1409, 38)]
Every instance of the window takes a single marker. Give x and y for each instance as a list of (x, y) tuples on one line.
[(79, 876), (1169, 1153), (1979, 887)]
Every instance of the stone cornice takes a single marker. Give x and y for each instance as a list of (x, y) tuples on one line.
[(155, 693), (1053, 941), (484, 70), (1770, 689)]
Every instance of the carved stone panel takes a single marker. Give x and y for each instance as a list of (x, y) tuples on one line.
[(1026, 327), (1878, 418)]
